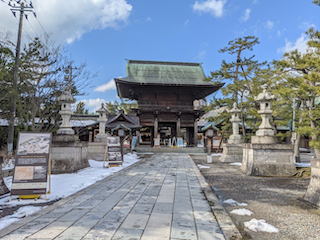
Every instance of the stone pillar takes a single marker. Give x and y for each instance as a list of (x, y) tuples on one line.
[(101, 136), (195, 132), (66, 100), (313, 192), (178, 126), (155, 127)]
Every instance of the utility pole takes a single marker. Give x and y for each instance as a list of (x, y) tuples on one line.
[(68, 78), (22, 8)]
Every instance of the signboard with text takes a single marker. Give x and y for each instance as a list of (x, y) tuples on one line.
[(114, 151), (31, 164)]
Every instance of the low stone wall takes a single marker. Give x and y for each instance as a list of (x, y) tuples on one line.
[(313, 192), (231, 153), (68, 157), (96, 150), (268, 160)]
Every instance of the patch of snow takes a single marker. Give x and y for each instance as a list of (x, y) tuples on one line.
[(260, 226), (216, 190), (236, 163), (302, 164), (72, 182), (232, 202), (17, 215), (202, 166), (9, 165), (216, 154), (242, 212)]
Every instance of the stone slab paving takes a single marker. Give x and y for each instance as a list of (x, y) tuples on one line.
[(158, 198)]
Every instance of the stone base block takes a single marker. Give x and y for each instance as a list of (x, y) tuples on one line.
[(313, 192), (65, 131), (68, 157), (96, 150), (264, 139), (65, 138), (268, 160), (231, 153)]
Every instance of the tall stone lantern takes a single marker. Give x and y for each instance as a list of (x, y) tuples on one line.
[(265, 133), (235, 138), (232, 151), (263, 156), (66, 100), (102, 122)]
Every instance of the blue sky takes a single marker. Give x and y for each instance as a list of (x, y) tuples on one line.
[(103, 33)]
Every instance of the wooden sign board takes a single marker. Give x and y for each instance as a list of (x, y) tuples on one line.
[(156, 142), (31, 164), (114, 151)]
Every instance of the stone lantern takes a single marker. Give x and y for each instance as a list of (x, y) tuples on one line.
[(265, 111), (102, 122), (235, 138), (263, 156), (66, 100), (232, 151)]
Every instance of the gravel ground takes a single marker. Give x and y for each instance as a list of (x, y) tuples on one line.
[(274, 199)]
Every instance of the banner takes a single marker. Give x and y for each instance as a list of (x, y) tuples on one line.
[(31, 164), (134, 142)]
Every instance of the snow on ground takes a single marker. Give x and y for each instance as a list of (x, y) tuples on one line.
[(202, 166), (9, 165), (63, 185), (17, 215), (260, 226), (242, 212), (303, 165), (236, 163), (232, 202), (216, 154)]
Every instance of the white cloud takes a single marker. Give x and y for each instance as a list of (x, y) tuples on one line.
[(108, 86), (148, 19), (214, 7), (300, 44), (69, 20), (255, 1), (269, 24), (186, 22), (246, 15), (93, 104), (201, 55)]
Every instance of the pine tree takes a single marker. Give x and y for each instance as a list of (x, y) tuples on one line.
[(243, 78), (300, 78)]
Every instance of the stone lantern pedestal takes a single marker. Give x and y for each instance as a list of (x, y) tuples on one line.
[(263, 156), (68, 154), (313, 192), (232, 151)]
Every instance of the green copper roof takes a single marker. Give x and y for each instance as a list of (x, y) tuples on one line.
[(171, 73)]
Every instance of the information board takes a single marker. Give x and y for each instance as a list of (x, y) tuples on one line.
[(31, 164), (180, 142), (114, 155)]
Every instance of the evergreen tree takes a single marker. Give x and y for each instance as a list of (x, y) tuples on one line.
[(299, 77), (243, 78)]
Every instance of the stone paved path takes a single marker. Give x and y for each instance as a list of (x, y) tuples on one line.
[(158, 198)]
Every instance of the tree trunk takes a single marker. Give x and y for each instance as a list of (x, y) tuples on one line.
[(297, 144), (313, 125)]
